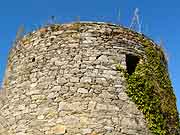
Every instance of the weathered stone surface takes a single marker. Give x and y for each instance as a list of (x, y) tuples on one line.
[(62, 80)]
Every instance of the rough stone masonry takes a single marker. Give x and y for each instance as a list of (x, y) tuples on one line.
[(62, 80)]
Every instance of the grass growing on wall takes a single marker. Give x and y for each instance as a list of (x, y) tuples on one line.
[(150, 88)]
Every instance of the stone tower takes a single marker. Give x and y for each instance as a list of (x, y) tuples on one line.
[(70, 80)]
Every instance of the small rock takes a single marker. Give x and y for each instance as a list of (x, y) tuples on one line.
[(101, 80), (59, 130), (40, 117), (123, 96), (33, 105), (103, 58), (38, 97), (101, 107), (74, 79), (21, 107), (20, 133), (63, 106), (109, 128), (85, 79), (51, 95), (91, 105), (33, 92), (86, 131), (82, 90), (56, 88)]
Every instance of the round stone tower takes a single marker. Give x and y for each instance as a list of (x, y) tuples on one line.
[(70, 80)]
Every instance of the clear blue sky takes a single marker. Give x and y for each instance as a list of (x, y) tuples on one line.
[(160, 20)]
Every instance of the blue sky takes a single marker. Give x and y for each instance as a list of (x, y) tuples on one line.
[(160, 21)]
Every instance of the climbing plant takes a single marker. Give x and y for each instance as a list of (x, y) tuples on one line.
[(150, 88)]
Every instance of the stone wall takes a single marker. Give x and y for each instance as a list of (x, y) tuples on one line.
[(62, 80)]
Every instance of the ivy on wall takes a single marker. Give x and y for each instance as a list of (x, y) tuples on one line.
[(150, 88)]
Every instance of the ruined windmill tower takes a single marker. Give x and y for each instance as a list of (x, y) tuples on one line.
[(87, 79)]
